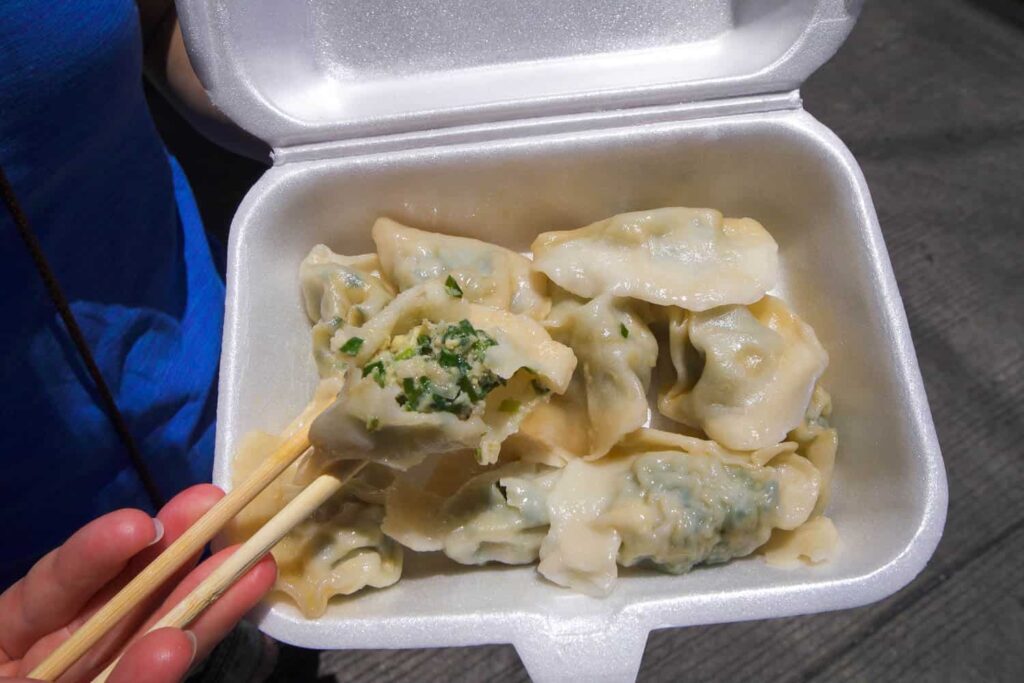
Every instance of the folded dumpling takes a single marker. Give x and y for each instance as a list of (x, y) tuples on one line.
[(433, 373), (615, 352), (690, 258), (669, 508), (337, 291), (745, 373), (493, 515), (485, 273), (340, 549)]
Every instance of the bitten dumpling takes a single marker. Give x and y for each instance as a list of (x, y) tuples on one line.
[(433, 373), (690, 258), (488, 274), (744, 373)]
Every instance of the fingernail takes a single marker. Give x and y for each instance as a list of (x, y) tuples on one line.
[(158, 526), (195, 645)]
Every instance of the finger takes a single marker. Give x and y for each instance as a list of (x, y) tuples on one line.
[(61, 583), (220, 617), (176, 516), (162, 656)]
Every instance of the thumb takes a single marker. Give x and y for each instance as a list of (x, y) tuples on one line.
[(162, 656)]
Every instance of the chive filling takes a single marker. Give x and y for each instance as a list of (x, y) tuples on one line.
[(437, 367)]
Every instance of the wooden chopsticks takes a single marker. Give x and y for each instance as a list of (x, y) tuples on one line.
[(292, 514), (187, 545)]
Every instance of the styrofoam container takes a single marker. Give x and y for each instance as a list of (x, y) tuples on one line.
[(500, 120)]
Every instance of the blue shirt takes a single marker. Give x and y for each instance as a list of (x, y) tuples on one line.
[(120, 228)]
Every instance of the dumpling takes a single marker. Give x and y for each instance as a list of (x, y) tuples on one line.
[(433, 373), (744, 373), (497, 515), (615, 351), (340, 549), (671, 509), (690, 258), (486, 273), (339, 290)]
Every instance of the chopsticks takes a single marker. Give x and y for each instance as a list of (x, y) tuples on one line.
[(171, 559), (292, 514)]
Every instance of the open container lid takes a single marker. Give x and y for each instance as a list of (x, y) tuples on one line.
[(295, 73)]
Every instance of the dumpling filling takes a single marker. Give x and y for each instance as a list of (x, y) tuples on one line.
[(437, 367)]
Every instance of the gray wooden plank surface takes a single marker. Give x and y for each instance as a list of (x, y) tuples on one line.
[(929, 96)]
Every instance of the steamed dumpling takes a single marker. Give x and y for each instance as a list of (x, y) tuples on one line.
[(690, 258), (745, 373), (339, 290), (670, 508), (486, 273), (433, 373), (615, 351), (340, 549), (494, 515)]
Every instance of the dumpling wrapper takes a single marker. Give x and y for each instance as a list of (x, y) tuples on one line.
[(812, 543), (616, 352), (494, 515), (340, 549), (690, 258), (670, 508), (745, 374), (488, 274), (336, 291), (367, 422)]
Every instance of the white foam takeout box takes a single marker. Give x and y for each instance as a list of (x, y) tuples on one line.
[(500, 119)]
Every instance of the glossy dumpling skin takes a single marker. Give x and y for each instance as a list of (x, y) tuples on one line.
[(488, 274), (340, 549), (668, 508), (615, 353), (690, 258), (433, 373), (744, 373), (336, 291), (492, 515)]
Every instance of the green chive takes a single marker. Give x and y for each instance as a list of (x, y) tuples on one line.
[(407, 354), (623, 330), (373, 424), (376, 369), (509, 405), (452, 287), (447, 359), (352, 346)]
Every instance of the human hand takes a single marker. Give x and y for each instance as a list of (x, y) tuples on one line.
[(65, 587)]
